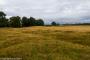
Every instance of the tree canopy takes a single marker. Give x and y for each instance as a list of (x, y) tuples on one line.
[(3, 20), (16, 21)]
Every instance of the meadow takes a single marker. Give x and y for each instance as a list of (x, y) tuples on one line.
[(46, 43)]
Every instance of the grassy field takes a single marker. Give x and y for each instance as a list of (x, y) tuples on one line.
[(46, 43)]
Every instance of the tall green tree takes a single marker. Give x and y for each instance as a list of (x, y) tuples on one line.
[(2, 14), (25, 22), (15, 21), (3, 20), (32, 21)]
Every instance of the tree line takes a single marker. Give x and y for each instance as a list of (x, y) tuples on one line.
[(16, 21)]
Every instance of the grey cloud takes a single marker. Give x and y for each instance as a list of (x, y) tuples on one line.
[(47, 9)]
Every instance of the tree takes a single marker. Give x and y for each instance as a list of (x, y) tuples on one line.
[(15, 21), (32, 21), (54, 23), (40, 22), (3, 20), (2, 14), (25, 22)]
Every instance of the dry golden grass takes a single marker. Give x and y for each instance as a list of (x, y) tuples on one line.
[(46, 43), (64, 28)]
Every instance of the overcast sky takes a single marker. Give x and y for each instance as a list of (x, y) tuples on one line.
[(73, 10)]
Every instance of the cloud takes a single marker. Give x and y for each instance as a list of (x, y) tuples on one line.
[(2, 2), (50, 9)]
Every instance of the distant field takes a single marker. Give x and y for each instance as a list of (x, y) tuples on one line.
[(46, 43)]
